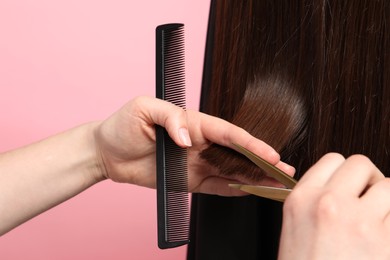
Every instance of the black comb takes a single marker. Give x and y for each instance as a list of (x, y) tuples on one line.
[(172, 173)]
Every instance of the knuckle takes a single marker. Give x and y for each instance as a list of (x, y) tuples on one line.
[(136, 104), (334, 156), (363, 228), (385, 182), (359, 158), (383, 186), (175, 114), (138, 101), (326, 208), (322, 208)]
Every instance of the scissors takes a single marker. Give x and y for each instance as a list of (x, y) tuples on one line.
[(278, 194)]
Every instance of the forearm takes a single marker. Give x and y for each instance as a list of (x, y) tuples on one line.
[(39, 176)]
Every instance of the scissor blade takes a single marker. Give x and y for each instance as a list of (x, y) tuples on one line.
[(270, 169), (278, 194)]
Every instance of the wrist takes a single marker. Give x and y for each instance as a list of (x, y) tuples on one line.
[(96, 167)]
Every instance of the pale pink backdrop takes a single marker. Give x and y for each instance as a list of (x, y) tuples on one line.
[(65, 62)]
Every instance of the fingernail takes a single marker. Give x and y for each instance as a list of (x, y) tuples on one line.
[(185, 137)]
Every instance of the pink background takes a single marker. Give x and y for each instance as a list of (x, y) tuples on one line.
[(66, 62)]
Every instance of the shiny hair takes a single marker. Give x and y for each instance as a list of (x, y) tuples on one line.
[(306, 76)]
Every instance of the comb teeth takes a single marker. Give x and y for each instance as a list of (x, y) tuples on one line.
[(172, 173), (173, 64), (177, 208)]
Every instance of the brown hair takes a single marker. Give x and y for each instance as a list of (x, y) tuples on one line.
[(307, 77)]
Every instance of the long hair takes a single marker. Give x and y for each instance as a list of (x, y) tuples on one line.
[(307, 77)]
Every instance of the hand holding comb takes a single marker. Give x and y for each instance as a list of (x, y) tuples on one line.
[(278, 194)]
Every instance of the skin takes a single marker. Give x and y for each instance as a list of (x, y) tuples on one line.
[(338, 210), (39, 176)]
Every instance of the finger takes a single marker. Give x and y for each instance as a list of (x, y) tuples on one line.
[(290, 170), (320, 173), (355, 175), (376, 199), (165, 114), (224, 133)]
